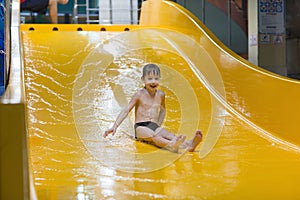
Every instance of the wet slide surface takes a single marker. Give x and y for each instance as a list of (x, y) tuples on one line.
[(77, 82)]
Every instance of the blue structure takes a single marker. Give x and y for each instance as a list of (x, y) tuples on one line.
[(2, 47)]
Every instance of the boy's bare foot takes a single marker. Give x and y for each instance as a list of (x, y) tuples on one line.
[(196, 140), (175, 146)]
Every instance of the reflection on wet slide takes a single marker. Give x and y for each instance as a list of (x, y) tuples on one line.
[(74, 90)]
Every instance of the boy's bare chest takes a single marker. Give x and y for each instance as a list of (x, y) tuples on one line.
[(150, 101)]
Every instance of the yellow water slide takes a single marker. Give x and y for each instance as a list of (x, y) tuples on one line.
[(78, 77)]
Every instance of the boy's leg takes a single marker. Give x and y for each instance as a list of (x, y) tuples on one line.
[(160, 138), (53, 11), (148, 135), (165, 134), (174, 141), (191, 145), (195, 141), (63, 1)]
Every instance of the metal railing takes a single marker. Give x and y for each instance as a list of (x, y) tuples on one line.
[(4, 12), (94, 13), (12, 65)]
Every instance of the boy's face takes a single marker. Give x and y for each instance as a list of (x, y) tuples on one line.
[(151, 81)]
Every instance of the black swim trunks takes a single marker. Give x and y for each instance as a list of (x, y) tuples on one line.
[(153, 126), (39, 6)]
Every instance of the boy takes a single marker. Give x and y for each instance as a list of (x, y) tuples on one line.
[(149, 103)]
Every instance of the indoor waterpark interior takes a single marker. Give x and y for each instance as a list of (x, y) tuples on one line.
[(230, 70)]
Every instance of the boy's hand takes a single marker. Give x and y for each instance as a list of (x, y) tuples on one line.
[(109, 131)]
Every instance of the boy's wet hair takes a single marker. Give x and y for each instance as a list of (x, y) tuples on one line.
[(151, 69)]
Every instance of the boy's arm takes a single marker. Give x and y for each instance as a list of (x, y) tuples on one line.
[(122, 115), (162, 111)]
